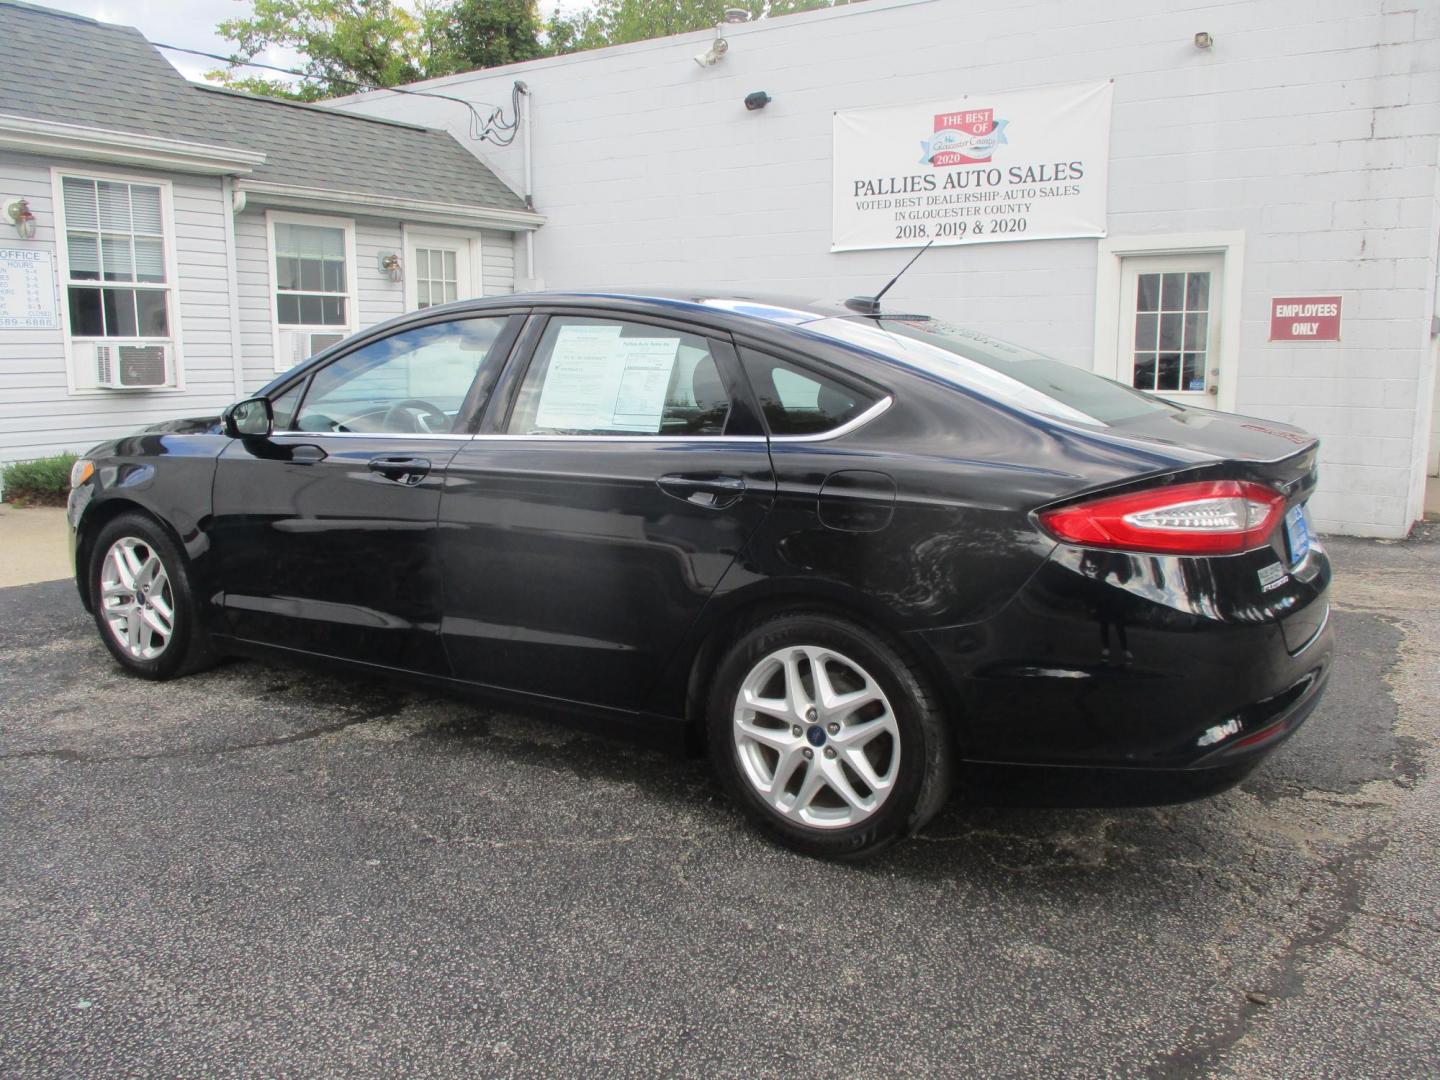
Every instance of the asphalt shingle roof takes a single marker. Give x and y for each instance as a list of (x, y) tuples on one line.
[(74, 70)]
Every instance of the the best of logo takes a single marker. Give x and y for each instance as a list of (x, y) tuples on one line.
[(963, 138)]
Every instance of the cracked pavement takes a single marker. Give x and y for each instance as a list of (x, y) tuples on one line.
[(272, 871)]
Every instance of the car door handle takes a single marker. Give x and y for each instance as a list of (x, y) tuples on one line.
[(306, 454), (403, 470), (711, 492)]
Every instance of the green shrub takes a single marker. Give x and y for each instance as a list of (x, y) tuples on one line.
[(42, 482)]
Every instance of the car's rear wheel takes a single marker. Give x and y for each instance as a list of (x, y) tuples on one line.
[(827, 737), (142, 601)]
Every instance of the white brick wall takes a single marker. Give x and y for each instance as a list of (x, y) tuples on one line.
[(1312, 126)]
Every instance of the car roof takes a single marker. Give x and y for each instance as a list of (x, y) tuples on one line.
[(768, 307)]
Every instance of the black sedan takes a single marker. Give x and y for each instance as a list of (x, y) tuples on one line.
[(848, 549)]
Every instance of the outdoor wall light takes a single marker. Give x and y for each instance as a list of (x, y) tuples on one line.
[(17, 211), (757, 100), (1204, 41), (711, 56), (719, 47), (390, 264)]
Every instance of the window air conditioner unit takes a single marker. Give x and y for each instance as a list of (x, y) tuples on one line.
[(297, 346), (131, 367)]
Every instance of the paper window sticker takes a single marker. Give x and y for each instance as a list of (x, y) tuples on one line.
[(582, 379), (649, 366)]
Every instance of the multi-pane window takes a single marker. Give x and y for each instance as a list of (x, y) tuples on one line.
[(115, 247), (436, 279), (311, 280), (1172, 331)]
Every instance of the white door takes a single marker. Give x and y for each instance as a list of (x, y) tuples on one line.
[(440, 267), (1170, 307)]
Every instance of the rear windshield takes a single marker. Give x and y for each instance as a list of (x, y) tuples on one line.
[(1011, 374)]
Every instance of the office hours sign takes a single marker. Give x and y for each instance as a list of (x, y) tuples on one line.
[(972, 169)]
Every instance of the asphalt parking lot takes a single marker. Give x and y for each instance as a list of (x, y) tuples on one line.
[(267, 871)]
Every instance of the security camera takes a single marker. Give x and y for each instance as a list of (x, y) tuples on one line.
[(757, 100), (712, 55)]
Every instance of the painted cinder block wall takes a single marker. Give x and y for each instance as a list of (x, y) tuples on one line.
[(1312, 126)]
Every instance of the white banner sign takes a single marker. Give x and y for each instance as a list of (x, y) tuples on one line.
[(1028, 165), (27, 290)]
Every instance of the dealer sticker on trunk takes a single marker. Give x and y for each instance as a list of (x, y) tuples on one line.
[(1272, 576)]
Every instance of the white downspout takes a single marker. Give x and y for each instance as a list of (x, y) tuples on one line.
[(529, 128), (233, 200)]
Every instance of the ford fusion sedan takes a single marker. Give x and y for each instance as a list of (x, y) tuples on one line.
[(847, 550)]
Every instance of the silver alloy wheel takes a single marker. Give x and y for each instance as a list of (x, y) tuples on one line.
[(136, 599), (816, 737)]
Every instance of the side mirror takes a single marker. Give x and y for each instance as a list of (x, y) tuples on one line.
[(250, 419)]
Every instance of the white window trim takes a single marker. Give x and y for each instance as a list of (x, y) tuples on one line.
[(352, 293), (1230, 246), (477, 273), (172, 282)]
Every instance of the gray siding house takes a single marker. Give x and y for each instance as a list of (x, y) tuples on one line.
[(185, 243)]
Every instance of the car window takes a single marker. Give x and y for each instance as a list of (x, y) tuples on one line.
[(999, 369), (798, 401), (412, 382), (283, 406), (613, 377)]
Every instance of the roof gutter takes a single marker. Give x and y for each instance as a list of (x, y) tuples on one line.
[(265, 193), (28, 135)]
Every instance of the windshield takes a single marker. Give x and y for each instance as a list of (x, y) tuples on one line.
[(1012, 374)]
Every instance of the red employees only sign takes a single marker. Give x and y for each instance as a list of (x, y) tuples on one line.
[(1305, 318)]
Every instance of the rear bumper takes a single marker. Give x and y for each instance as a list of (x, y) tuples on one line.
[(1143, 663)]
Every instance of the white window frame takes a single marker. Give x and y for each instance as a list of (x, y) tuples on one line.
[(1113, 252), (410, 231), (352, 295), (73, 385)]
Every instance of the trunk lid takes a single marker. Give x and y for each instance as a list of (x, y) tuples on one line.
[(1245, 448)]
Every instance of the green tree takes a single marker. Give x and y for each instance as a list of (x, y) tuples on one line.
[(616, 22), (489, 33), (350, 44)]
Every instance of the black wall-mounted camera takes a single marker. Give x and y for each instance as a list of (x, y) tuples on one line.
[(758, 100)]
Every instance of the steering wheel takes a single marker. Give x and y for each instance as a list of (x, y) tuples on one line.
[(417, 416)]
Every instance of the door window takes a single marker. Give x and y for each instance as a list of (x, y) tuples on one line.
[(1169, 319), (1172, 312), (412, 382), (436, 276), (611, 377), (798, 401)]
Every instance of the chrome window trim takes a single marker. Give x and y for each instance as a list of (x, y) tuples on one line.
[(367, 435), (845, 428), (819, 436)]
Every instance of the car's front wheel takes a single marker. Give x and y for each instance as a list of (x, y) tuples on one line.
[(827, 737), (142, 600)]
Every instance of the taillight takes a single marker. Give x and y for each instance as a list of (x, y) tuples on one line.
[(1216, 517)]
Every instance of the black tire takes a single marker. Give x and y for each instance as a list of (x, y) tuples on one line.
[(189, 648), (922, 777)]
